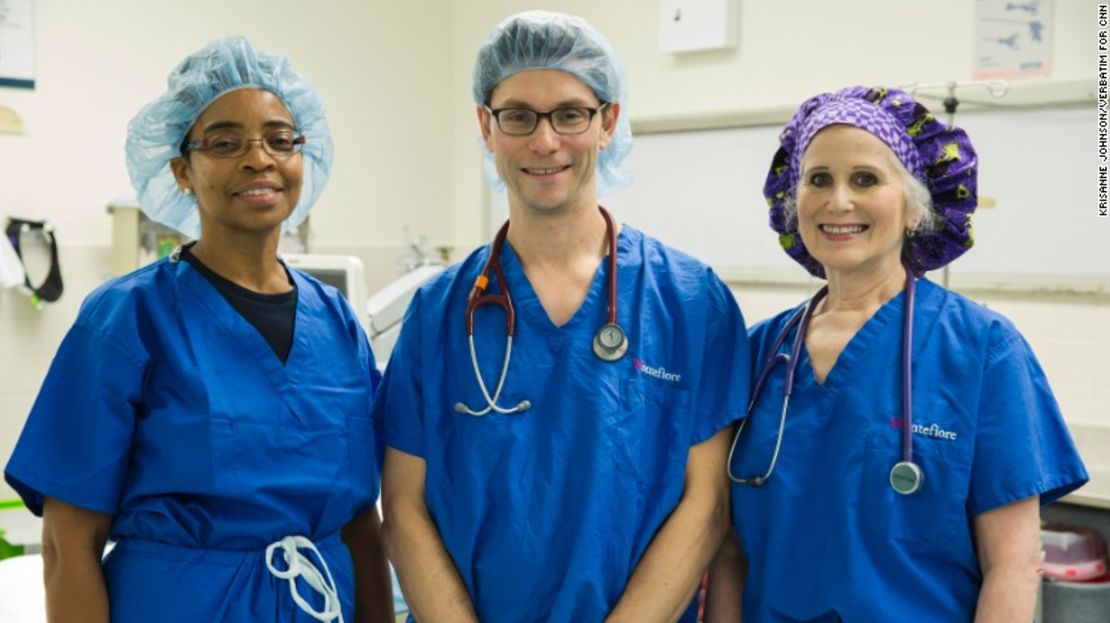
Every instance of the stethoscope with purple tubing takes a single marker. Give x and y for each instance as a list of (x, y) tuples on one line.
[(906, 477), (610, 342)]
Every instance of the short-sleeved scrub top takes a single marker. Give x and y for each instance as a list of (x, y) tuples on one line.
[(827, 538), (546, 513), (165, 408)]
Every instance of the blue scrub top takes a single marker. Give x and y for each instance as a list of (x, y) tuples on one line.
[(827, 538), (165, 408), (546, 513)]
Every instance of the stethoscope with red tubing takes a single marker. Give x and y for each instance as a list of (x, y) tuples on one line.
[(906, 477), (610, 342)]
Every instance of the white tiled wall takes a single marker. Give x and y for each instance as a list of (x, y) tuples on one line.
[(29, 337)]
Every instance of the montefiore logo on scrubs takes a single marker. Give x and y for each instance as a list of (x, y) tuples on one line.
[(932, 430), (658, 373)]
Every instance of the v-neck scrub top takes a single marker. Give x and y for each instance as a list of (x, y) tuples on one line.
[(546, 513), (165, 408), (827, 539)]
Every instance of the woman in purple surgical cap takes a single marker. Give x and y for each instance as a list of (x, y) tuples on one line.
[(901, 437)]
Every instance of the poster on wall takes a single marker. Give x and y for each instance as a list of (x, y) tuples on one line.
[(17, 44), (1013, 39)]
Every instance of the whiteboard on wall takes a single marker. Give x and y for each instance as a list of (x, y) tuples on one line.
[(1043, 233), (702, 191)]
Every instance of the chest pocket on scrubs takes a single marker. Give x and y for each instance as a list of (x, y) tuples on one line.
[(651, 432), (935, 516)]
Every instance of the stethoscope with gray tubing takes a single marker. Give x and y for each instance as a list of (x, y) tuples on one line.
[(906, 477), (610, 342)]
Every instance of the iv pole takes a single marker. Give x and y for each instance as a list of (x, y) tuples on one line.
[(996, 88)]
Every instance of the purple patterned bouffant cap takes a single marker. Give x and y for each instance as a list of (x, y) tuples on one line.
[(941, 157)]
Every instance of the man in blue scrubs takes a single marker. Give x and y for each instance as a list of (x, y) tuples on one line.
[(601, 494)]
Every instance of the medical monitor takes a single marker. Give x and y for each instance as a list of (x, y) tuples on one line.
[(343, 272), (386, 308)]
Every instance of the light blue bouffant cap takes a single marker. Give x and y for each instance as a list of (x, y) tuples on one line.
[(545, 40), (155, 135)]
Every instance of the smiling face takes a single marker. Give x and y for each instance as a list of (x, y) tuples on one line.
[(852, 202), (544, 171), (254, 192)]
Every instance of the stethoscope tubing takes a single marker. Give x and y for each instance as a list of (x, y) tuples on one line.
[(611, 304), (479, 296), (478, 292), (907, 369), (491, 402), (800, 319)]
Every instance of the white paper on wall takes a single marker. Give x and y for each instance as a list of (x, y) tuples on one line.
[(17, 44), (1013, 39)]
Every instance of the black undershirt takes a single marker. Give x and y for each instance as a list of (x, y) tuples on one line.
[(273, 315)]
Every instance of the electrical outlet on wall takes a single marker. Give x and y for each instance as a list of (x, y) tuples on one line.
[(697, 25)]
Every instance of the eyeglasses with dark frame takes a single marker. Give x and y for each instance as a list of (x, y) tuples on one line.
[(565, 120), (280, 144)]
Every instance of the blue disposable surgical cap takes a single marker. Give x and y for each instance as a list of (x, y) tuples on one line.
[(155, 135), (545, 40)]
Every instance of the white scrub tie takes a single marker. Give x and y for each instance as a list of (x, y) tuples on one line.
[(302, 566)]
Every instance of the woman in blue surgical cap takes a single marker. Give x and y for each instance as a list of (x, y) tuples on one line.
[(210, 413)]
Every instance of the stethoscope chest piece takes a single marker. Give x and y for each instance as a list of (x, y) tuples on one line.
[(906, 477), (610, 342)]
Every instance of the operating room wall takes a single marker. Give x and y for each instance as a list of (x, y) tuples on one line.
[(380, 67), (789, 50)]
